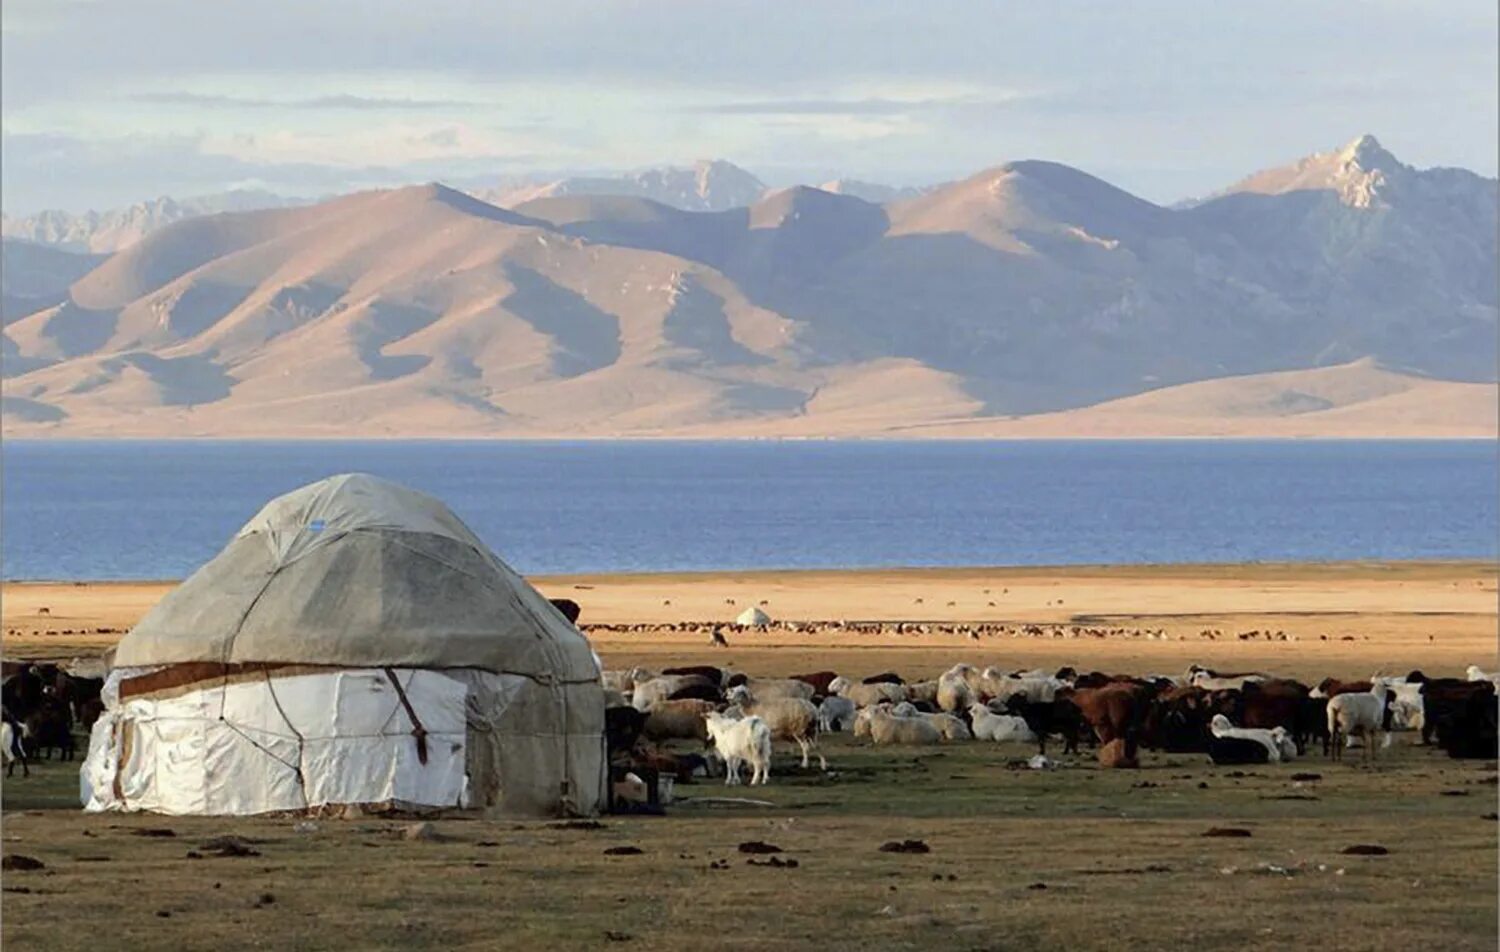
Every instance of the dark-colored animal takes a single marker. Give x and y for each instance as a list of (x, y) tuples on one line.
[(1237, 750), (622, 728), (89, 712), (1044, 718), (1333, 687), (1267, 704), (820, 680), (888, 677), (569, 608), (1116, 711), (1177, 721), (75, 691), (1446, 701), (698, 692), (713, 674), (1468, 730), (22, 691), (50, 728)]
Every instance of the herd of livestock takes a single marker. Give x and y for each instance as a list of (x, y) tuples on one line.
[(1232, 717)]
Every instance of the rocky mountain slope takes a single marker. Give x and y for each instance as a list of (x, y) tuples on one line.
[(1030, 299)]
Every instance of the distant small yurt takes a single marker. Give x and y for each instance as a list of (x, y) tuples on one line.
[(753, 617), (353, 645)]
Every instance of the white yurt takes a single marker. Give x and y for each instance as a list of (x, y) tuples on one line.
[(354, 645), (753, 617)]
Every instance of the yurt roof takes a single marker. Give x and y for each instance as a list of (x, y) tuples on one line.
[(357, 571)]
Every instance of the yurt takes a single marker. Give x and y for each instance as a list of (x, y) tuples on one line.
[(753, 617), (353, 646)]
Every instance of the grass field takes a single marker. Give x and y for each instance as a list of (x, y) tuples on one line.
[(1075, 857)]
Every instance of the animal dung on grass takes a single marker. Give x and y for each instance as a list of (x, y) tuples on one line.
[(1229, 831), (18, 863), (623, 851), (229, 846), (758, 846), (905, 846), (1364, 849)]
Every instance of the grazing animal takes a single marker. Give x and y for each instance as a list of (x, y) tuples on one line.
[(1468, 729), (870, 693), (1177, 721), (1058, 717), (1476, 673), (713, 674), (788, 718), (953, 691), (741, 741), (1237, 750), (1001, 728), (647, 694), (886, 728), (1220, 727), (766, 688), (820, 681), (622, 728), (889, 677), (716, 638), (11, 749), (569, 608), (49, 728), (677, 720), (836, 714), (1114, 711), (1364, 713)]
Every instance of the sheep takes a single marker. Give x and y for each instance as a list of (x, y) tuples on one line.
[(836, 714), (1000, 728), (1285, 743), (11, 750), (677, 720), (948, 725), (1220, 727), (738, 741), (887, 729), (866, 695), (787, 718), (624, 681), (648, 693), (766, 688), (997, 685), (1357, 713), (923, 691), (1476, 673), (953, 690), (1209, 680)]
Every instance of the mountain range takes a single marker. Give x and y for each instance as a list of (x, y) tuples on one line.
[(1346, 294)]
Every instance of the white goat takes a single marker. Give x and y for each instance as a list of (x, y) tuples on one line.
[(747, 740), (1361, 713), (1221, 727)]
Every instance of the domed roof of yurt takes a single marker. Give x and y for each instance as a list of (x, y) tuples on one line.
[(355, 570)]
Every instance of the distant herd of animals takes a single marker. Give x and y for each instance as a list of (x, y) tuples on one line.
[(1232, 717)]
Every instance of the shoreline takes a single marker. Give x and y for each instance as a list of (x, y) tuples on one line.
[(1081, 569)]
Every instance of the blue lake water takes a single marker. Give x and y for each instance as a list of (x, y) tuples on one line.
[(138, 509)]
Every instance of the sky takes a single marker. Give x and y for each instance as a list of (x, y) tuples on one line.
[(103, 103)]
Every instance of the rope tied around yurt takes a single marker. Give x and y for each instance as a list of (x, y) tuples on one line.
[(417, 730)]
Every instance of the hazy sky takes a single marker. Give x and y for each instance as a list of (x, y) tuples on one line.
[(105, 103)]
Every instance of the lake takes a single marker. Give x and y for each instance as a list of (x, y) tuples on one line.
[(158, 509)]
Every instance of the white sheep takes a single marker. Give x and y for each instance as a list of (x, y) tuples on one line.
[(1476, 673), (867, 695), (648, 694), (888, 729), (1206, 679), (747, 740), (836, 714), (925, 691), (788, 718), (1285, 743), (1222, 727), (1001, 728), (1361, 713), (953, 689), (1001, 687), (767, 688)]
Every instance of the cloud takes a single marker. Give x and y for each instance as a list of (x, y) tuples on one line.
[(346, 102), (871, 106)]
